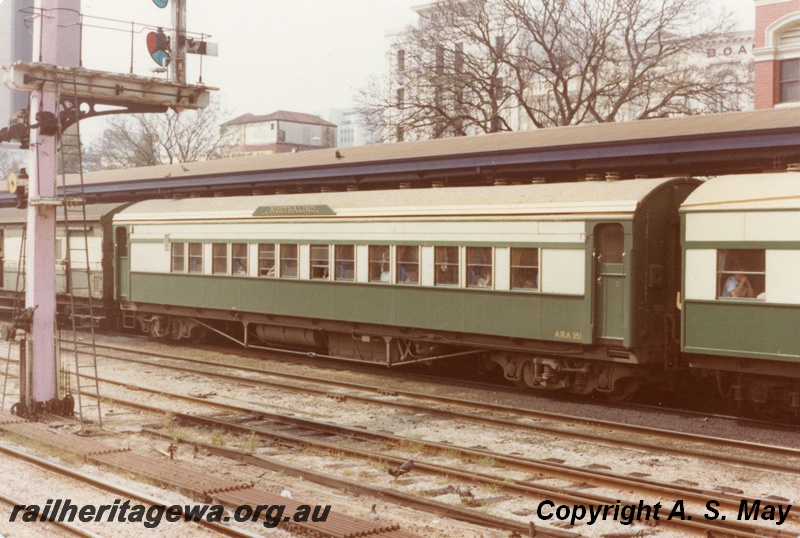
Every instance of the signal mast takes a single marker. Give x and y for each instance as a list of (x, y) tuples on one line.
[(52, 109)]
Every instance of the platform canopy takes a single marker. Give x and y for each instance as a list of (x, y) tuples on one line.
[(699, 146)]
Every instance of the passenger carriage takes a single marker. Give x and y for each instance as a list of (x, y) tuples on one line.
[(97, 248), (745, 227), (566, 286)]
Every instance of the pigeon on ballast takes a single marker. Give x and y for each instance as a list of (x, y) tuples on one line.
[(373, 515), (463, 491), (286, 493), (403, 469)]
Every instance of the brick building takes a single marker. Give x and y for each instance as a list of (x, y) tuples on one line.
[(777, 53)]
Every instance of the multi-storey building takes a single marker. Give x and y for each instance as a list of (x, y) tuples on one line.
[(16, 44), (351, 129), (727, 59), (777, 53)]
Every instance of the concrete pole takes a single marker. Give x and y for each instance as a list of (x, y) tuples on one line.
[(178, 52), (40, 278)]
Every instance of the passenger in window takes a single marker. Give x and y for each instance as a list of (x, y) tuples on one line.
[(486, 277), (738, 286), (384, 272), (239, 268)]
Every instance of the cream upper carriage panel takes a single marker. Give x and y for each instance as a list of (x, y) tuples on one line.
[(756, 211), (517, 215)]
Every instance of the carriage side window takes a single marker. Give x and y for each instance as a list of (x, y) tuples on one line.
[(219, 258), (320, 262), (239, 258), (379, 263), (479, 267), (266, 260), (741, 273), (289, 260), (524, 268), (407, 265), (345, 260), (177, 264), (446, 266), (195, 257)]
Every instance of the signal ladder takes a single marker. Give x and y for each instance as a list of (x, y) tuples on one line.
[(81, 282), (19, 305)]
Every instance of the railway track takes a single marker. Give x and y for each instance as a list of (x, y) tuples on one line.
[(499, 386), (783, 459), (311, 431), (79, 477), (69, 528), (583, 476), (213, 490), (379, 396)]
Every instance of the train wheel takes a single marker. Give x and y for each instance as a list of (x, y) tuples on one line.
[(624, 389), (520, 383), (159, 328), (526, 379)]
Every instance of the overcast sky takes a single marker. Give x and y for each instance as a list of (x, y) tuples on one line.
[(298, 55)]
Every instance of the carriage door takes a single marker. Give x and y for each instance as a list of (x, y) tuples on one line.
[(609, 270), (123, 264)]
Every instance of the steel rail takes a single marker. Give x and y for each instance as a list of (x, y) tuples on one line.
[(113, 488), (69, 527), (405, 499), (733, 528), (364, 367), (701, 440)]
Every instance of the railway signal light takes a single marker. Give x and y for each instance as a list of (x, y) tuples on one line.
[(18, 186), (158, 47), (206, 48)]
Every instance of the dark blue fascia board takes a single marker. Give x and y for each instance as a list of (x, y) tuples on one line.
[(677, 153)]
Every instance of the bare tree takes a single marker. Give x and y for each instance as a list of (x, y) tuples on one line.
[(134, 140), (608, 60), (8, 163), (450, 81), (475, 66)]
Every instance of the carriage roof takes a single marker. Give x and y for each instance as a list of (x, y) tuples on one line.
[(746, 192), (591, 197)]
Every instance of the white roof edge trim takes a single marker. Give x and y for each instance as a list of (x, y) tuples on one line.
[(588, 208), (755, 203)]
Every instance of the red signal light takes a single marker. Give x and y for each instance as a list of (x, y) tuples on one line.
[(158, 47)]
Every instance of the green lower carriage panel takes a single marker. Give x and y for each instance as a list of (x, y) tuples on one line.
[(507, 314), (742, 329)]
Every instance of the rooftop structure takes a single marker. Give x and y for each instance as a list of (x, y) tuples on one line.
[(279, 132)]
